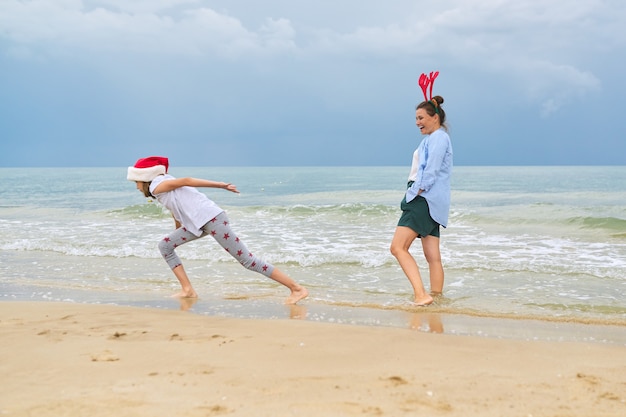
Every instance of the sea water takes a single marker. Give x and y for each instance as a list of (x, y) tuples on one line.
[(535, 244)]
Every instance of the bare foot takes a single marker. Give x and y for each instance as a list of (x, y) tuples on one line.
[(423, 302), (297, 295), (186, 294)]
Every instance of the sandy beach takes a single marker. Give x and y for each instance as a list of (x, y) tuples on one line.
[(66, 359)]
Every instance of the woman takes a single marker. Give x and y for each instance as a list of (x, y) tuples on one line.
[(426, 204), (196, 216)]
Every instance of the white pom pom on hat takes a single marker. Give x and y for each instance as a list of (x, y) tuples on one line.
[(147, 169)]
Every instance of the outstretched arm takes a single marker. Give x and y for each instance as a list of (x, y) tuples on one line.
[(170, 185)]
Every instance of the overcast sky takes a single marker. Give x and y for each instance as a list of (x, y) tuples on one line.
[(309, 82)]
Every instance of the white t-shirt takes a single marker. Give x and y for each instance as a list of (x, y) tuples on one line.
[(414, 165), (189, 206)]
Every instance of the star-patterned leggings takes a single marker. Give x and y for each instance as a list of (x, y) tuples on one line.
[(219, 228)]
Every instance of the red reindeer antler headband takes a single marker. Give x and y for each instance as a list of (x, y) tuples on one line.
[(426, 81)]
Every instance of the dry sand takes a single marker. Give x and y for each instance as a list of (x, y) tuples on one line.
[(98, 360)]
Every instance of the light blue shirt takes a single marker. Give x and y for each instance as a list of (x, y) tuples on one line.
[(433, 175)]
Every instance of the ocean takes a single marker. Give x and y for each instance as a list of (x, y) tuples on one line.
[(530, 252)]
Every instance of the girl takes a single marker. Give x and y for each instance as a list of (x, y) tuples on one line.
[(196, 216)]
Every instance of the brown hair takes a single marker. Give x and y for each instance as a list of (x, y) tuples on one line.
[(432, 107), (145, 188)]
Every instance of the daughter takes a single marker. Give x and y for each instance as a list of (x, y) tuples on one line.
[(196, 216)]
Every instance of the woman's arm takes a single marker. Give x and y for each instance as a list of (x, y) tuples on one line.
[(437, 149), (170, 185)]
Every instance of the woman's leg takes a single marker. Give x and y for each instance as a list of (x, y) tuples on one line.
[(400, 244), (430, 245), (167, 248), (221, 231)]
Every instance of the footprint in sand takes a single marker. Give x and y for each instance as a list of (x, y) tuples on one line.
[(106, 356)]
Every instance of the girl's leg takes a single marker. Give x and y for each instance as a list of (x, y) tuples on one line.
[(402, 240), (298, 292), (221, 231), (430, 245), (187, 290), (167, 248)]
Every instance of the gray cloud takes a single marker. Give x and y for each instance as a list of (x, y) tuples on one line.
[(321, 66)]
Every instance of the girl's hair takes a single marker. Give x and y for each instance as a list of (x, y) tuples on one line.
[(145, 187), (432, 107)]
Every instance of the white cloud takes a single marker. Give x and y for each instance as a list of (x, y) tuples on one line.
[(137, 27), (140, 6), (546, 49)]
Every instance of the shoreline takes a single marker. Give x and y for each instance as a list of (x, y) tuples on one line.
[(106, 360), (233, 292), (435, 319)]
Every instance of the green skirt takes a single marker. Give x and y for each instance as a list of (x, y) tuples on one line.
[(416, 216)]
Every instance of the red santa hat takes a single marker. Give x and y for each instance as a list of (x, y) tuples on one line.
[(147, 169)]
